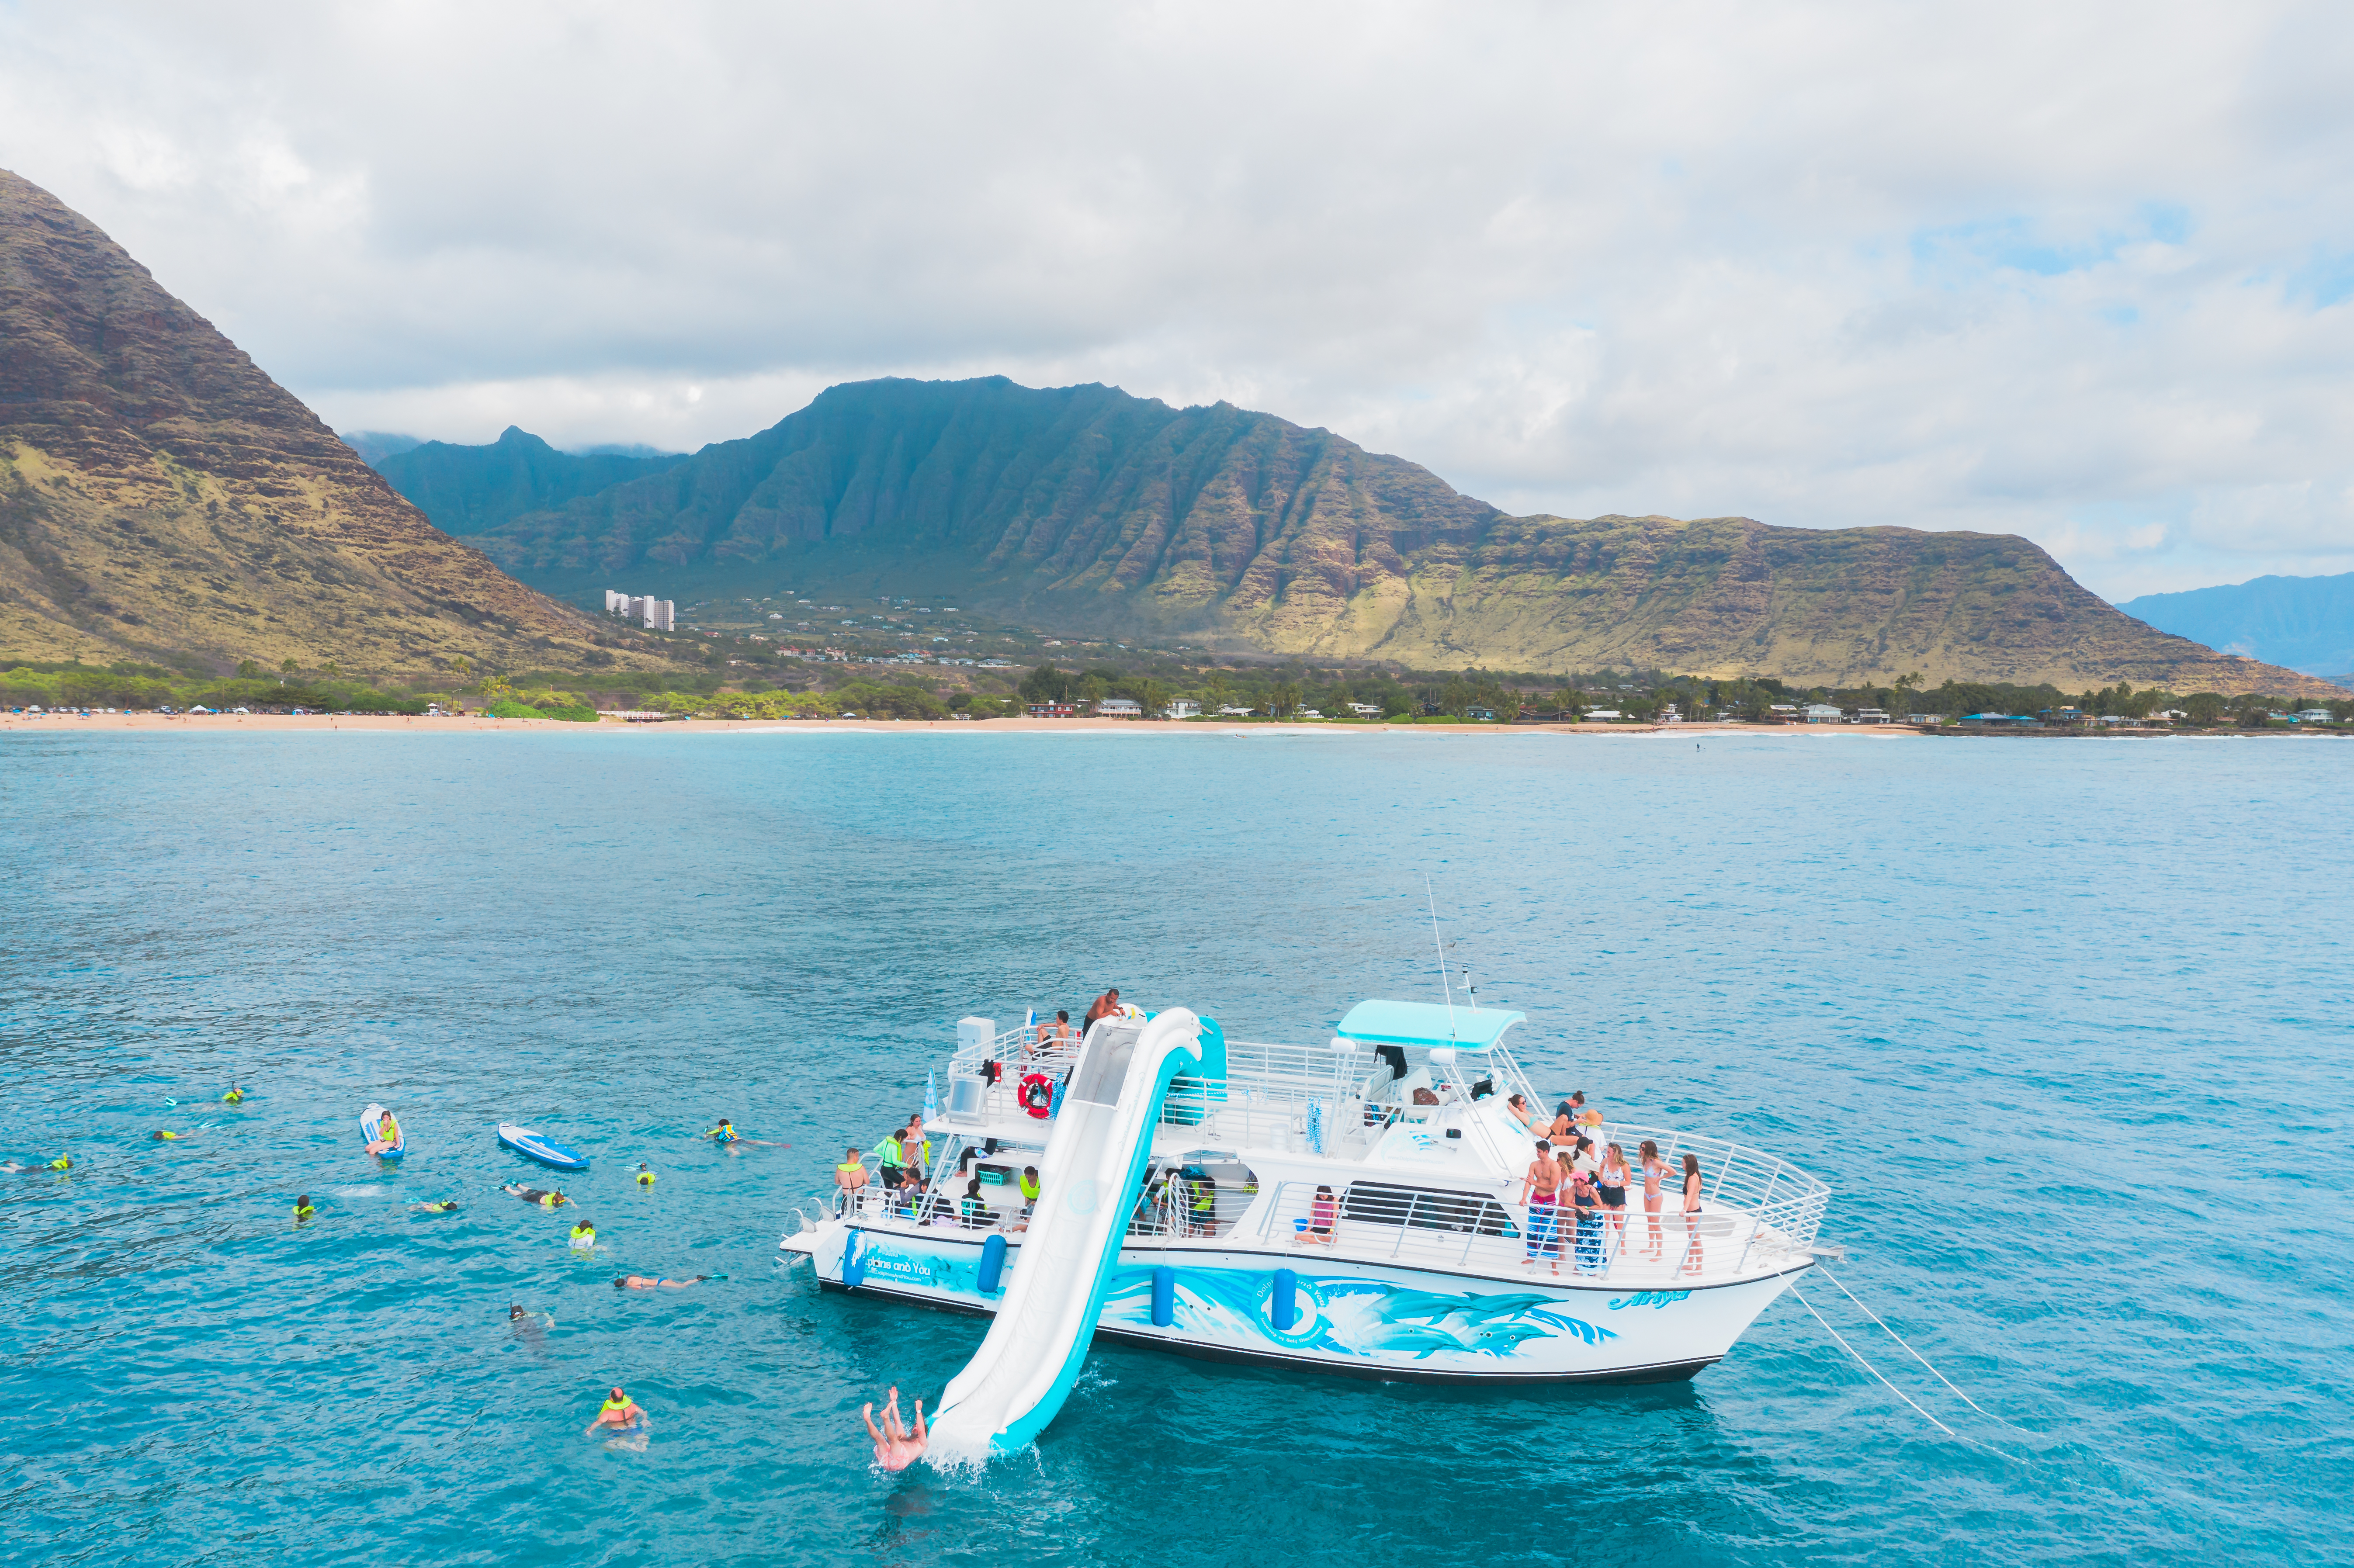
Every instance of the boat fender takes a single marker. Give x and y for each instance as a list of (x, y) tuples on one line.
[(992, 1264), (1164, 1296), (1038, 1095), (1058, 1097), (1283, 1304), (854, 1262)]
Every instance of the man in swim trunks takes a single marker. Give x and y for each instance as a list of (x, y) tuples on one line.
[(649, 1282), (534, 1196), (849, 1177), (895, 1447), (618, 1411), (1105, 1006), (1541, 1191)]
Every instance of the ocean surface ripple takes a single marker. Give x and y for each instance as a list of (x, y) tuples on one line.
[(2064, 1023)]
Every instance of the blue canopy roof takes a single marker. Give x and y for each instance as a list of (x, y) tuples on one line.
[(1427, 1023)]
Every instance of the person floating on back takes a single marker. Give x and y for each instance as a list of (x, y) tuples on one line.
[(895, 1447), (618, 1411)]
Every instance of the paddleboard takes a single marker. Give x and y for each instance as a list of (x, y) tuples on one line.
[(537, 1146), (371, 1125)]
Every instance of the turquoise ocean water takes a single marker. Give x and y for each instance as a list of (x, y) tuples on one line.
[(2065, 1024)]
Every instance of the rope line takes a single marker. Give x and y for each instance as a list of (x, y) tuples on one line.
[(1917, 1356), (1874, 1371)]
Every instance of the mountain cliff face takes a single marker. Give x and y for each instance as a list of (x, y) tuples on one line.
[(466, 490), (160, 495), (1082, 506)]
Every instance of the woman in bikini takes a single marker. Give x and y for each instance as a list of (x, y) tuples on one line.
[(1655, 1171), (1610, 1186), (1691, 1211)]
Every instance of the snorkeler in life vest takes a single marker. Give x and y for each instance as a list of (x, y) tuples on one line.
[(534, 1196), (583, 1236), (445, 1206), (618, 1411), (236, 1096), (727, 1137), (302, 1209), (645, 1177), (10, 1167), (724, 1133)]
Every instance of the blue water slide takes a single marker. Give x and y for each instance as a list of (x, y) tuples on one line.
[(1090, 1176)]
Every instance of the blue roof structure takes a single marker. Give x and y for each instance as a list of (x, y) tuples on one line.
[(1427, 1023)]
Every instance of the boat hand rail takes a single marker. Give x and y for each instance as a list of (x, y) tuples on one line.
[(1460, 1230)]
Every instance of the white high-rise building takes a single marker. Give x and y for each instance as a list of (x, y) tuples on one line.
[(653, 614)]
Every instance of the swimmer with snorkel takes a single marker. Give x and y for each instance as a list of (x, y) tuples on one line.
[(651, 1282), (618, 1411), (10, 1167)]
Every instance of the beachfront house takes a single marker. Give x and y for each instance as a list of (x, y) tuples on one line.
[(2316, 716), (1366, 710), (1231, 711), (1998, 720), (1781, 713), (1822, 713), (1182, 708), (1605, 714), (1119, 708), (1873, 715)]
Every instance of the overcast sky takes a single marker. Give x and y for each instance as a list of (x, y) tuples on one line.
[(2075, 271)]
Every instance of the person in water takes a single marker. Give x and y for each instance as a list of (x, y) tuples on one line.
[(446, 1206), (645, 1177), (618, 1411), (165, 1135), (724, 1133), (387, 1134), (583, 1236), (534, 1196), (62, 1162), (302, 1209), (236, 1096), (895, 1447), (651, 1282)]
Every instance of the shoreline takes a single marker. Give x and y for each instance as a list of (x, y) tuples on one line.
[(262, 723)]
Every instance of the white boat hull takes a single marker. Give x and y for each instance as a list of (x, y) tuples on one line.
[(1391, 1322)]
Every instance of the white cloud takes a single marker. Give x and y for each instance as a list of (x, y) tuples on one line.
[(2083, 273)]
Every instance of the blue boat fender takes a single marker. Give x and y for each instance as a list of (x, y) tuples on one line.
[(992, 1264), (854, 1262), (1283, 1302), (1164, 1296)]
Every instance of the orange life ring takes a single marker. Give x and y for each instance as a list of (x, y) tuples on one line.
[(1037, 1095)]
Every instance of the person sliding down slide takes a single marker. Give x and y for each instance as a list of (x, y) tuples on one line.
[(895, 1447)]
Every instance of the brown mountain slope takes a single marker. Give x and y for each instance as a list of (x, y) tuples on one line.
[(160, 495), (1082, 506)]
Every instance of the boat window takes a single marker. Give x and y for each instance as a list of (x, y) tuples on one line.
[(1381, 1203), (1103, 1066)]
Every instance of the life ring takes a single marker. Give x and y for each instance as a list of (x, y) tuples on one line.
[(1037, 1094)]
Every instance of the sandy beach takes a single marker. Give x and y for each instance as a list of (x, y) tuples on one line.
[(262, 723)]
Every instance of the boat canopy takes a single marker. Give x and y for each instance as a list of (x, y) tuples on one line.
[(1427, 1023)]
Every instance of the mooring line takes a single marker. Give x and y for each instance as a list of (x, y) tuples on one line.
[(1917, 1356), (1892, 1388)]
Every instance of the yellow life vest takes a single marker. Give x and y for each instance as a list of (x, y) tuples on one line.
[(645, 1178), (550, 1199), (62, 1162), (847, 1166), (231, 1097), (584, 1230), (613, 1405), (304, 1210), (1029, 1190)]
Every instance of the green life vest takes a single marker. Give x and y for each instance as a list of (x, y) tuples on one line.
[(645, 1178), (1205, 1197), (889, 1150), (847, 1166), (304, 1210), (62, 1162), (1029, 1190), (583, 1230)]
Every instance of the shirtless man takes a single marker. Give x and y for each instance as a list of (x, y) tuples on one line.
[(895, 1447), (1105, 1006), (1541, 1191), (1055, 1036)]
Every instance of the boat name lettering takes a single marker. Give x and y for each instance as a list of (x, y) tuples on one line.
[(1651, 1298)]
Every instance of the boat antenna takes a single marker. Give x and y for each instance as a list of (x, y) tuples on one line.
[(1446, 989)]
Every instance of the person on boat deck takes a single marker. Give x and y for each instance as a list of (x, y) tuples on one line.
[(1587, 1206), (1203, 1211), (1105, 1006), (1691, 1211), (534, 1196), (850, 1175), (972, 1209), (888, 1169), (1655, 1171), (1324, 1214), (387, 1134), (1029, 1187), (1055, 1036), (1541, 1192), (915, 1149), (895, 1447), (618, 1411), (1519, 1106)]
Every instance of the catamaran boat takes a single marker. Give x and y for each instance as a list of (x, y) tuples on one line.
[(1352, 1207)]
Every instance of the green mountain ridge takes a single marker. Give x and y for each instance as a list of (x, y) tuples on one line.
[(2306, 623), (1087, 509), (469, 490)]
